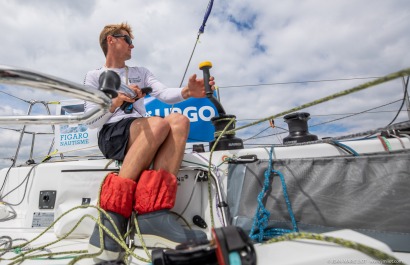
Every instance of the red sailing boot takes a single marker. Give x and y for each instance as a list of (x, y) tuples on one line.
[(154, 196)]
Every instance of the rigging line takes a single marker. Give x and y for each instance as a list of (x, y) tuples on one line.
[(344, 147), (28, 132), (266, 136), (302, 82), (378, 81), (406, 84), (348, 113), (4, 182), (402, 104), (354, 114), (254, 137), (189, 61), (397, 126), (26, 180), (10, 129), (200, 31), (27, 101)]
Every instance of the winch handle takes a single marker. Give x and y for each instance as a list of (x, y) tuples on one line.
[(205, 66)]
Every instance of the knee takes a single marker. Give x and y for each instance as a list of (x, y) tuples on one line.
[(159, 127), (178, 122), (179, 125)]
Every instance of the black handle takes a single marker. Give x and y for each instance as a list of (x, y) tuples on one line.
[(205, 66), (146, 90)]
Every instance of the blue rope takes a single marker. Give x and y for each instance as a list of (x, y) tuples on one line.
[(347, 148), (260, 231)]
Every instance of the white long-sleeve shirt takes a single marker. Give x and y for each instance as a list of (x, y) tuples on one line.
[(136, 75)]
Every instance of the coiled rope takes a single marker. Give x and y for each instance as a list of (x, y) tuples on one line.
[(259, 231)]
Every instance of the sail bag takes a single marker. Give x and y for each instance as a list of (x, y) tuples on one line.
[(369, 194)]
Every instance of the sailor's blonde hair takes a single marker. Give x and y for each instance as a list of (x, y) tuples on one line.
[(111, 30)]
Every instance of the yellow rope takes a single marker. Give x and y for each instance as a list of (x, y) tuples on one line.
[(137, 228), (209, 171), (23, 256), (381, 256)]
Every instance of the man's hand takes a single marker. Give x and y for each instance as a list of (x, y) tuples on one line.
[(117, 102), (137, 90), (196, 87), (121, 98)]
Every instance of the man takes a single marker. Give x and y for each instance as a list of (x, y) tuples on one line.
[(140, 142)]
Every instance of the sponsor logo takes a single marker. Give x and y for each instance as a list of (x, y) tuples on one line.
[(134, 80), (74, 139), (205, 113)]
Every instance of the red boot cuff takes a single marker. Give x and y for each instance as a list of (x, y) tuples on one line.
[(117, 194), (156, 190)]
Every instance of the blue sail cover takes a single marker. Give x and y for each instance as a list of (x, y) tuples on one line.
[(199, 111), (206, 16)]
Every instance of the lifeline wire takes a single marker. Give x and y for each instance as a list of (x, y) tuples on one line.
[(302, 82)]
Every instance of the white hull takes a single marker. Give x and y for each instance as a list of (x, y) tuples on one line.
[(76, 181)]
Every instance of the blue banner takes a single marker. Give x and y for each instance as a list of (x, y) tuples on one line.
[(199, 111)]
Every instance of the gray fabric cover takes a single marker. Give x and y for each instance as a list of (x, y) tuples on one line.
[(369, 194)]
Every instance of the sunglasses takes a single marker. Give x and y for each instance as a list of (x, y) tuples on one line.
[(127, 38)]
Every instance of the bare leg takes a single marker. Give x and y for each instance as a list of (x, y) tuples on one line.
[(171, 152), (146, 137), (154, 137), (156, 190)]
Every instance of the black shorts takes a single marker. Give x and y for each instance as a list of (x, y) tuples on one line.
[(113, 138)]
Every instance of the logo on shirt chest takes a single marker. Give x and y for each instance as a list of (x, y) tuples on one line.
[(134, 80)]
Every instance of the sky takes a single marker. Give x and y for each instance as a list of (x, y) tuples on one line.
[(263, 53)]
